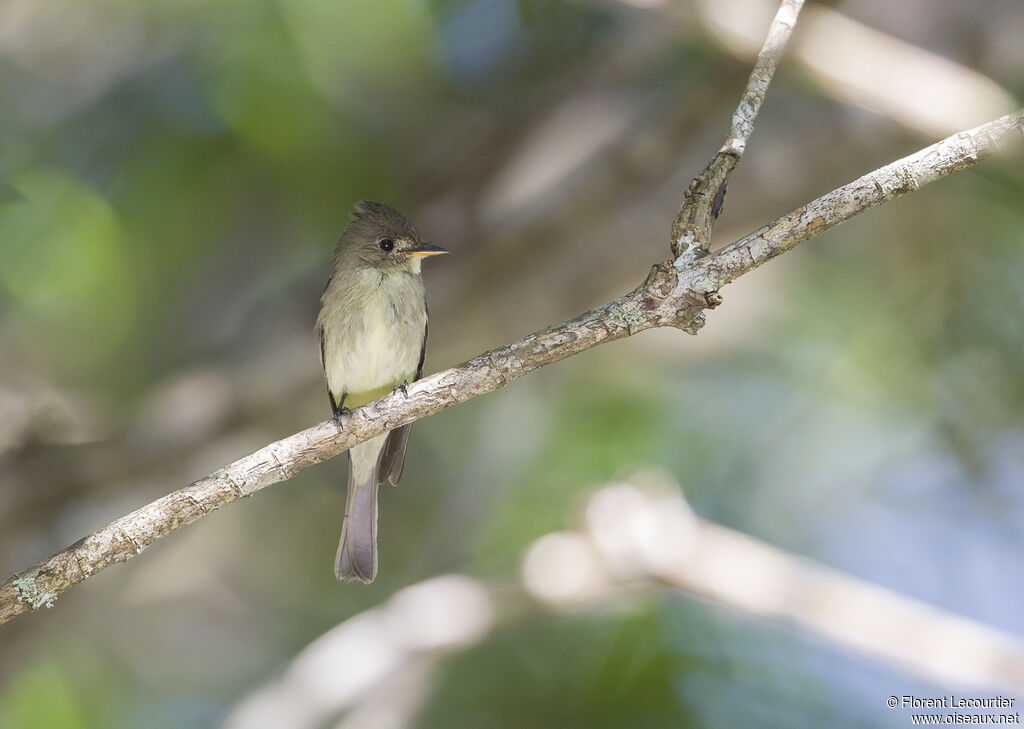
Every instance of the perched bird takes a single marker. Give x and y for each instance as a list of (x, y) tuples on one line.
[(373, 334)]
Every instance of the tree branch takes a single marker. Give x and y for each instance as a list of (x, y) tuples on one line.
[(675, 293), (952, 154), (702, 201)]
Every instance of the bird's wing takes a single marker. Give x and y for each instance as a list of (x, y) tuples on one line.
[(423, 344), (322, 336)]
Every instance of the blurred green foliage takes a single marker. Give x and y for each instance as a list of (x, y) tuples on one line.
[(42, 697), (66, 274), (172, 177)]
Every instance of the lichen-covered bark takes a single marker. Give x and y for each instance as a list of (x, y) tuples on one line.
[(703, 199), (955, 153)]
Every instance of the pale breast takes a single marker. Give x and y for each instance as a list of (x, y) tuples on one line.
[(373, 332)]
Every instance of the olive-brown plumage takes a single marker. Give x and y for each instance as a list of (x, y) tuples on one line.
[(372, 329)]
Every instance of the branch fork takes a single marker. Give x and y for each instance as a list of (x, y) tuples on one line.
[(703, 199)]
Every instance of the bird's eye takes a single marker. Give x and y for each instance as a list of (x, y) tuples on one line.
[(386, 244)]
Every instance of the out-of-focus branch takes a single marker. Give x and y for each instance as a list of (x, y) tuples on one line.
[(632, 533), (691, 231), (379, 661), (857, 64), (635, 535), (675, 294)]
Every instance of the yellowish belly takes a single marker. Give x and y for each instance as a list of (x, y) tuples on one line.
[(372, 353)]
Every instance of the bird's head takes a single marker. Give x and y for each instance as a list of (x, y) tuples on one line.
[(382, 237)]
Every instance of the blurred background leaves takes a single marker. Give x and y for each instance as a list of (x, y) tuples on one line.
[(173, 176)]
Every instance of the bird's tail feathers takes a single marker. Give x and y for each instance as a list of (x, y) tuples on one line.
[(357, 550)]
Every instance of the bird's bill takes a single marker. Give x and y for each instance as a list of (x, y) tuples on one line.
[(426, 249)]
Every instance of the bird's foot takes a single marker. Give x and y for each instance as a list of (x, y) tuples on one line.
[(340, 413), (404, 387)]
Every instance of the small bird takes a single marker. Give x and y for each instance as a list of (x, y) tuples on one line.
[(373, 335)]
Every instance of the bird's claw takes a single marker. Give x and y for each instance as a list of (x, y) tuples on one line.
[(341, 413), (404, 387)]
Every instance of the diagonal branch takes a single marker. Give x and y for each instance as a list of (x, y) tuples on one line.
[(953, 154), (674, 294), (702, 201)]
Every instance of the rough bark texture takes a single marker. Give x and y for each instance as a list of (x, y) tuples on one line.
[(675, 293), (955, 153), (703, 199)]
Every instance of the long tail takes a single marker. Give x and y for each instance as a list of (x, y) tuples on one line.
[(357, 551)]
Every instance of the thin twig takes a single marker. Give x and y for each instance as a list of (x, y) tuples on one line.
[(702, 201)]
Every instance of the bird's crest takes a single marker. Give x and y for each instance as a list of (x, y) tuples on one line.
[(375, 218)]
